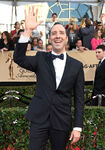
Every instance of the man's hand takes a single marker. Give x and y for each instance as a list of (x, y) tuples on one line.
[(75, 136), (31, 22)]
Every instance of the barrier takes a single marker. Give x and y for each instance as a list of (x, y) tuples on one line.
[(11, 95), (11, 72)]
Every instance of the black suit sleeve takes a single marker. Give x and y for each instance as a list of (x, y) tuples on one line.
[(27, 62), (79, 98)]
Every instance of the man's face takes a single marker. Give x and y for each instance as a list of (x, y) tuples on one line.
[(49, 48), (18, 25), (79, 43), (35, 42), (100, 54), (54, 17), (40, 44), (58, 38), (88, 22)]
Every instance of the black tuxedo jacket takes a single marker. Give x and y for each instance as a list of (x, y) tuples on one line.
[(99, 81), (50, 105)]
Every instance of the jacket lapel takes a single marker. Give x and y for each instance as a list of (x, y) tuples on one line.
[(66, 70), (51, 67), (52, 70)]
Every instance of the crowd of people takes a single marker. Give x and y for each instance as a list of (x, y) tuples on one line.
[(87, 36)]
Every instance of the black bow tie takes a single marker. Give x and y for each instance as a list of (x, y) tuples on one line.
[(61, 56)]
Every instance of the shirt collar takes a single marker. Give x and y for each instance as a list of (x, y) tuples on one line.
[(59, 54), (102, 59)]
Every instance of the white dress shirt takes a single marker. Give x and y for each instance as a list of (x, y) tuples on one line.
[(59, 66)]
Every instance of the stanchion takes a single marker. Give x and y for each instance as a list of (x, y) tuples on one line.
[(99, 96), (10, 95)]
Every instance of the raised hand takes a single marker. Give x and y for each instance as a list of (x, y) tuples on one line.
[(31, 22)]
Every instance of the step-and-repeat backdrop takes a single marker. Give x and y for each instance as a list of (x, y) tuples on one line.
[(11, 72)]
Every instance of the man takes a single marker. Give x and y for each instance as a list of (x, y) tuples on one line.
[(87, 33), (14, 32), (99, 81), (79, 46), (57, 75), (50, 24), (40, 45)]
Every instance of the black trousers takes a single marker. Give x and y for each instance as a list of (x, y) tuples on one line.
[(39, 138)]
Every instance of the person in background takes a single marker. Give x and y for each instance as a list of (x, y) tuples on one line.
[(72, 20), (29, 46), (14, 32), (49, 47), (20, 32), (87, 33), (40, 45), (99, 26), (6, 43), (99, 80), (73, 35), (34, 43), (80, 47), (97, 39), (58, 75), (50, 24)]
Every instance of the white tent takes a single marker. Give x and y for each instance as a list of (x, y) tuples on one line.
[(13, 10)]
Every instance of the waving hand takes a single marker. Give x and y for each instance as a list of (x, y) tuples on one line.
[(31, 22)]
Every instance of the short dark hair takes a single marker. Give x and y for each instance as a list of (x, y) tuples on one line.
[(54, 25), (48, 44), (101, 47), (39, 40), (57, 23), (54, 14), (78, 40)]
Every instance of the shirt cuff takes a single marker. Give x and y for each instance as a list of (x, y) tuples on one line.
[(77, 129), (23, 39)]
